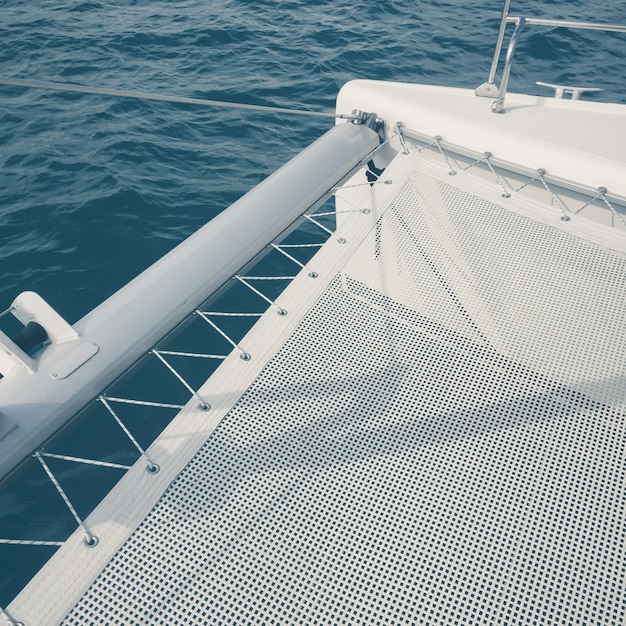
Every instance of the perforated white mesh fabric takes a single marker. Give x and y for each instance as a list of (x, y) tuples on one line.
[(532, 290), (441, 441)]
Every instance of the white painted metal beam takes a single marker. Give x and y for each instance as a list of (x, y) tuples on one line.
[(123, 328)]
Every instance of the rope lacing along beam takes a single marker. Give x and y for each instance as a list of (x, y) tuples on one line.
[(324, 228), (107, 401), (399, 128), (196, 355), (30, 542), (203, 405), (486, 158), (152, 467), (90, 539), (243, 355), (328, 213), (244, 281), (437, 142), (162, 405), (301, 245), (266, 277), (75, 459), (280, 249), (356, 209), (601, 195), (334, 190), (540, 176), (229, 314)]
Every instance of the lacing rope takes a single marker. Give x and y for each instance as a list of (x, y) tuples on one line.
[(325, 213), (301, 245), (75, 459), (540, 177), (365, 162), (138, 95), (324, 228), (356, 209), (227, 314), (205, 406), (265, 277), (243, 280), (90, 539), (602, 195), (30, 542), (162, 405), (160, 354), (195, 355), (152, 467), (312, 274), (486, 158), (334, 190), (400, 133), (243, 355), (437, 142)]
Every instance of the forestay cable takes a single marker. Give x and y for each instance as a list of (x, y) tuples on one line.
[(120, 93)]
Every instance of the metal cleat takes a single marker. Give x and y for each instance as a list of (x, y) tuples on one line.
[(561, 90)]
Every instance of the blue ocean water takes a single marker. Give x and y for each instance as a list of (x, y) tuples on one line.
[(93, 189)]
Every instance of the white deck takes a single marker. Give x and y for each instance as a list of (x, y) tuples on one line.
[(574, 140), (434, 434)]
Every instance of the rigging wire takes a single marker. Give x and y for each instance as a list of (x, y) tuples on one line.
[(120, 93)]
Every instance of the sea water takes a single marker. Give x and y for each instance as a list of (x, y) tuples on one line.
[(94, 189)]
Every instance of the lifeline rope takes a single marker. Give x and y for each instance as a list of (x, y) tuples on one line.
[(119, 93)]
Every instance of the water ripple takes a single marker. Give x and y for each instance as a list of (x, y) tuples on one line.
[(139, 176)]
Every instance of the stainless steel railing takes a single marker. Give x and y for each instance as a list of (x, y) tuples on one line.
[(489, 89)]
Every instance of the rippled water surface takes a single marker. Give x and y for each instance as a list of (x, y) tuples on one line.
[(93, 189)]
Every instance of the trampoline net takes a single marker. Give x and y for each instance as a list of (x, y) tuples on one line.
[(440, 441)]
